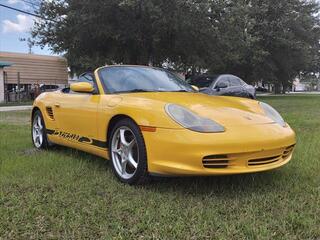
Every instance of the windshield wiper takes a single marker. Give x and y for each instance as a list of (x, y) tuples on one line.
[(135, 90)]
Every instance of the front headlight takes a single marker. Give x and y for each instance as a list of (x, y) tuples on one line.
[(273, 114), (191, 120)]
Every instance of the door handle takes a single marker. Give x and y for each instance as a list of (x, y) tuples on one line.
[(57, 105)]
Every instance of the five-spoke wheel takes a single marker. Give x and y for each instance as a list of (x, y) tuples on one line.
[(38, 131), (127, 152), (125, 155)]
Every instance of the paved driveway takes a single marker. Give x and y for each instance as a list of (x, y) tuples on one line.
[(15, 108)]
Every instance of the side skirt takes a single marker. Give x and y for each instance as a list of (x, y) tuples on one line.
[(82, 143)]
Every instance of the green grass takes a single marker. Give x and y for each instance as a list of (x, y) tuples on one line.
[(12, 104), (67, 194)]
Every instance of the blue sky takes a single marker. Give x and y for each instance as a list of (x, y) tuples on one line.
[(15, 25)]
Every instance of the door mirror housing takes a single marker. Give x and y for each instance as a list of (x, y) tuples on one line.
[(82, 87)]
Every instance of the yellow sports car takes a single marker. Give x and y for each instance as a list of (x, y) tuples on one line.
[(148, 121)]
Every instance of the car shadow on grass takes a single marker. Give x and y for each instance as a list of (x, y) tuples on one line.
[(221, 185)]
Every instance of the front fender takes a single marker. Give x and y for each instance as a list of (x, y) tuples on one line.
[(43, 101), (142, 111)]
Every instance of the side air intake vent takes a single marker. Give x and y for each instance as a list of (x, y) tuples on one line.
[(50, 113), (287, 151), (264, 161), (215, 161)]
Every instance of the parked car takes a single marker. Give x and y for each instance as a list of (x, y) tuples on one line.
[(148, 121), (48, 88), (226, 85), (261, 89)]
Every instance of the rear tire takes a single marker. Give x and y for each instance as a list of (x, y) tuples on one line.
[(127, 153), (38, 131)]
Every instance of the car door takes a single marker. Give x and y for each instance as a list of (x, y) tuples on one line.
[(76, 114)]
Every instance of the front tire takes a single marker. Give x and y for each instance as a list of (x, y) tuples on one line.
[(38, 131), (127, 153)]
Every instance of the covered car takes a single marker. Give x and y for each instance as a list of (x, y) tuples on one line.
[(223, 85)]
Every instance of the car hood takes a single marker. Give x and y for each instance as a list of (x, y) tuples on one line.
[(227, 111)]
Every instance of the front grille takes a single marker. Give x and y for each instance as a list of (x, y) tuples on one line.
[(215, 161), (264, 161), (50, 112)]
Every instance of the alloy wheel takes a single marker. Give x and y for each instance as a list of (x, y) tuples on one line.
[(37, 131), (124, 152)]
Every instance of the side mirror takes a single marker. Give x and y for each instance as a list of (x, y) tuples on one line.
[(195, 88), (82, 87)]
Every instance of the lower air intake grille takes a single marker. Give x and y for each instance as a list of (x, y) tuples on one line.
[(50, 112), (215, 161), (264, 161)]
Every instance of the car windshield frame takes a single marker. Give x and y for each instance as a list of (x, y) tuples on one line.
[(180, 84)]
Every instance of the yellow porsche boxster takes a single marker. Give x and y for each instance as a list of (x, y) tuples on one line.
[(148, 121)]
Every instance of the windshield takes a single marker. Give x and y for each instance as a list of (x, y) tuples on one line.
[(141, 79)]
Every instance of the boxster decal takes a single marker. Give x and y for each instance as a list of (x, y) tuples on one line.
[(77, 138)]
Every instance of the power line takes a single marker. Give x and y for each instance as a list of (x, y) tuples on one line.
[(31, 3), (28, 13)]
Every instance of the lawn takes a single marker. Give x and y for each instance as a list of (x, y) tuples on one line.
[(67, 194), (12, 104)]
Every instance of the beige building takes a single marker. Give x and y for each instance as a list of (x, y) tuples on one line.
[(33, 70), (2, 66)]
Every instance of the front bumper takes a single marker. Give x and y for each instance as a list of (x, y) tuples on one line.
[(241, 149)]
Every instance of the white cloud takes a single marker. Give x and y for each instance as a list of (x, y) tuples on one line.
[(13, 1), (23, 24)]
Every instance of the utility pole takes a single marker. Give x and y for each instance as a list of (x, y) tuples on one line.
[(19, 87), (30, 43), (6, 95)]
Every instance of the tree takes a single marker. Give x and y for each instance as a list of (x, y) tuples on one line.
[(238, 49), (270, 40), (116, 31), (289, 33), (267, 40)]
